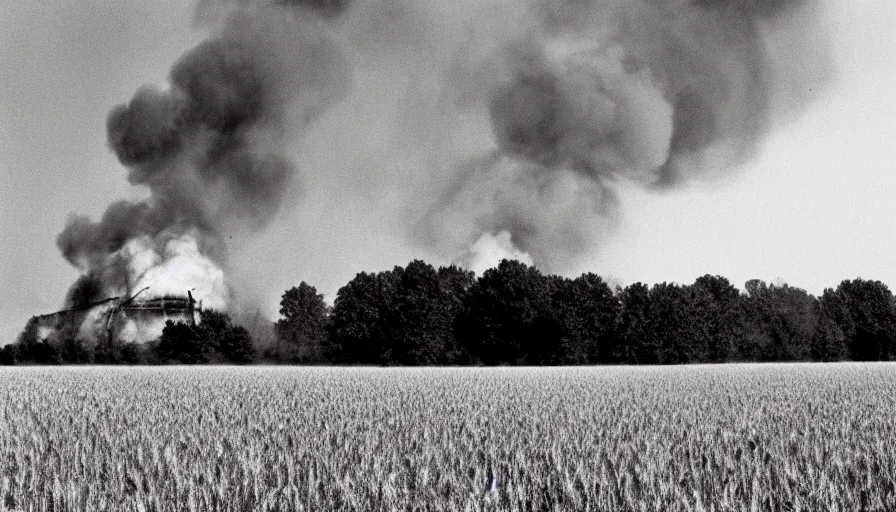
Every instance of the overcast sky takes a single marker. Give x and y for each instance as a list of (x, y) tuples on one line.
[(814, 207)]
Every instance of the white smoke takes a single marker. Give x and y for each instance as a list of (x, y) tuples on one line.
[(143, 330), (489, 250), (178, 267)]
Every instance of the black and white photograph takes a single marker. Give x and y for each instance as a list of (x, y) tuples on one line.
[(475, 255)]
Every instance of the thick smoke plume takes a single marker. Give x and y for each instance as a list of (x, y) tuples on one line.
[(210, 149), (592, 93), (470, 129)]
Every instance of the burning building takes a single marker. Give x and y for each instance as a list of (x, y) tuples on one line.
[(210, 150), (117, 319)]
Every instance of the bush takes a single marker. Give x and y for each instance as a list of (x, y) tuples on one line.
[(235, 345), (182, 343), (8, 355), (214, 339)]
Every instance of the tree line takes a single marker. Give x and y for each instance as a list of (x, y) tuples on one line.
[(215, 339), (515, 315)]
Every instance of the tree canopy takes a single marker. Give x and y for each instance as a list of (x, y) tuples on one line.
[(513, 314), (403, 316), (302, 328)]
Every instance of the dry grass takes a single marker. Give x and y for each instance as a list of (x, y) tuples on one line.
[(746, 437)]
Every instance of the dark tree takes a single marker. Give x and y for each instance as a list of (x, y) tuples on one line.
[(405, 316), (423, 316), (717, 312), (182, 343), (456, 283), (358, 327), (229, 343), (865, 313), (302, 328), (212, 323), (74, 351), (213, 339), (585, 312), (637, 343), (828, 341), (508, 318), (675, 325), (756, 342), (235, 345), (779, 323), (9, 355)]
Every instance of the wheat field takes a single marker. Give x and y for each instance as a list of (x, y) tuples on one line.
[(737, 437)]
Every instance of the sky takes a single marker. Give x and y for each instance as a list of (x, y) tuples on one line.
[(814, 206)]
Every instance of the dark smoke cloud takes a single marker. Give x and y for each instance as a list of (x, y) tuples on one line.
[(654, 93), (85, 243), (451, 121), (210, 149), (85, 290)]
